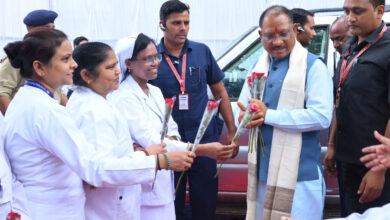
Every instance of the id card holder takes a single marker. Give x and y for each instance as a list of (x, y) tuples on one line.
[(183, 102)]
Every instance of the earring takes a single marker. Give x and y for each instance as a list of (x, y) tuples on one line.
[(88, 81)]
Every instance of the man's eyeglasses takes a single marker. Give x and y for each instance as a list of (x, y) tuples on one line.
[(151, 59), (282, 35)]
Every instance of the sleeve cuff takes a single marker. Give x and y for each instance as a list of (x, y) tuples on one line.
[(271, 117)]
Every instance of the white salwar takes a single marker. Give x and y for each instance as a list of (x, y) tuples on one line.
[(145, 115), (48, 155), (105, 128)]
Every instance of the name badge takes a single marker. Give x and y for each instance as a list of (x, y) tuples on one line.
[(183, 101)]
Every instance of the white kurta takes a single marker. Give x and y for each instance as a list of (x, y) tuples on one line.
[(48, 155), (145, 115), (105, 128)]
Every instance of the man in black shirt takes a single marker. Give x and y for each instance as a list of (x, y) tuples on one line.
[(362, 103)]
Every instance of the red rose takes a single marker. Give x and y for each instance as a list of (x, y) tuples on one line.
[(250, 81), (170, 102), (212, 105), (13, 216), (253, 108), (255, 74)]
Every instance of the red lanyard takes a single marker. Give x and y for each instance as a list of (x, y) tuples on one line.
[(344, 72), (181, 80)]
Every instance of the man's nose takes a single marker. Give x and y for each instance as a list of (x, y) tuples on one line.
[(278, 40)]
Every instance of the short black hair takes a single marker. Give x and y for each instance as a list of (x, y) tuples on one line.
[(88, 56), (300, 16), (77, 40), (376, 3), (40, 45), (172, 6), (275, 10), (140, 44)]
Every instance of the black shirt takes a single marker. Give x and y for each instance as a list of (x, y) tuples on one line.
[(364, 97)]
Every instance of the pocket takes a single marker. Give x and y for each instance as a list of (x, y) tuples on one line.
[(195, 76)]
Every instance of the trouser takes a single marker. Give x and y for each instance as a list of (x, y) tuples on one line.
[(352, 176), (203, 190), (344, 205)]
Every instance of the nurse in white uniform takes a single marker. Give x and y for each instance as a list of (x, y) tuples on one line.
[(143, 105), (97, 75), (47, 152)]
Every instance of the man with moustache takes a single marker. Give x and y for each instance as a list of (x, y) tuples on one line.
[(187, 68), (362, 103), (297, 103), (339, 33)]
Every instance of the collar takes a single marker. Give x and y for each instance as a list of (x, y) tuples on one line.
[(371, 38), (279, 60), (188, 45), (135, 87)]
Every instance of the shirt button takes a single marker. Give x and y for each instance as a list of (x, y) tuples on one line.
[(120, 197), (274, 68), (270, 85)]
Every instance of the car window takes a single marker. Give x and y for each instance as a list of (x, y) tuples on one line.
[(319, 43), (236, 71)]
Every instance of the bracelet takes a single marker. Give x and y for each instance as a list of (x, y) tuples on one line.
[(330, 143), (168, 162), (158, 163)]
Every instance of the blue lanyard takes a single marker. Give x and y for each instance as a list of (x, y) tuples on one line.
[(39, 86)]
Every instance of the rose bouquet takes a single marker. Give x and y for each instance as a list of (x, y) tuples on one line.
[(256, 90)]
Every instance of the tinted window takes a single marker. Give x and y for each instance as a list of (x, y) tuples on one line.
[(319, 43), (235, 73)]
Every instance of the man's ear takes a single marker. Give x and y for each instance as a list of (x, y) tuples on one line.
[(380, 9), (295, 28), (162, 26), (260, 34)]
